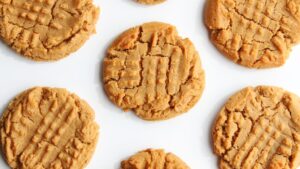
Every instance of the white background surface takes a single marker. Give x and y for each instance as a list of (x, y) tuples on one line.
[(123, 134)]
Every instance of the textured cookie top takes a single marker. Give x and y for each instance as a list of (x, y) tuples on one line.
[(150, 2), (48, 128), (259, 128), (46, 30), (153, 71), (254, 33), (153, 159)]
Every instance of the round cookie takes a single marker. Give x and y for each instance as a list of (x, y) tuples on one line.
[(150, 2), (254, 33), (153, 159), (153, 71), (48, 128), (259, 128), (46, 30)]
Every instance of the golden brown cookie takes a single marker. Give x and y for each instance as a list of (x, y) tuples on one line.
[(153, 159), (45, 30), (48, 128), (259, 128), (150, 2), (254, 33), (153, 71)]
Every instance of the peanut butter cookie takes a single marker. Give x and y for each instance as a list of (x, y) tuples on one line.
[(48, 128), (254, 33), (45, 30), (153, 71), (259, 128), (150, 2), (153, 159)]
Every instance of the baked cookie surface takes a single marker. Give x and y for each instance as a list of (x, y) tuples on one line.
[(150, 2), (46, 30), (153, 71), (48, 128), (254, 33), (153, 159), (259, 128)]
